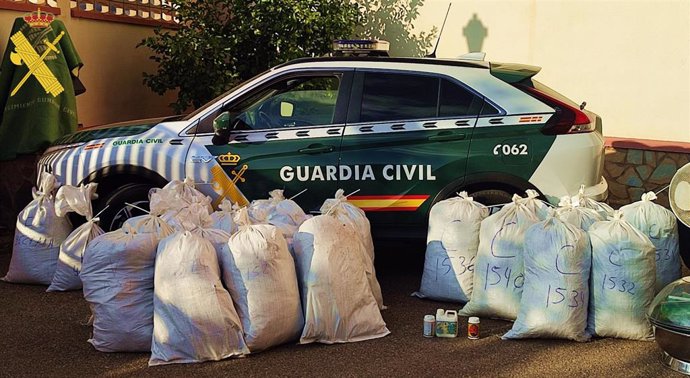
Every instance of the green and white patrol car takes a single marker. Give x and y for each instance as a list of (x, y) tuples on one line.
[(402, 132)]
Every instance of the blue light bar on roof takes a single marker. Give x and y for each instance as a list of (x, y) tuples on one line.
[(360, 47)]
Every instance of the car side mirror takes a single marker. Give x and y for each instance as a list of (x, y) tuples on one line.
[(221, 129)]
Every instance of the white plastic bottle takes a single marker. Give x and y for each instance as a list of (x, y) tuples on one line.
[(446, 323)]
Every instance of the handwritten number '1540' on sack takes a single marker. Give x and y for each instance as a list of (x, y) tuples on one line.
[(496, 275)]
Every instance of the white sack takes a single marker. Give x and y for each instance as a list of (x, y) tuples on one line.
[(224, 219), (151, 222), (194, 319), (37, 238), (558, 257), (622, 284), (259, 273), (287, 215), (451, 247), (117, 275), (186, 191), (571, 212), (355, 217), (660, 225), (259, 210), (191, 214), (498, 268), (603, 209), (540, 208), (170, 217), (167, 204), (338, 303), (77, 199), (199, 222), (177, 196)]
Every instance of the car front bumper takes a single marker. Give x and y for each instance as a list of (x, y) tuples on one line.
[(598, 192)]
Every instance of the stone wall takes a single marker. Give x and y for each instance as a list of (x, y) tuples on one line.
[(632, 169)]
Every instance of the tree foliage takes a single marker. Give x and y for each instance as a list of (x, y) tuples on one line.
[(393, 21), (223, 42)]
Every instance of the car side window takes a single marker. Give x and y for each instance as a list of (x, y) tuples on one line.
[(205, 125), (296, 101), (456, 101), (393, 96), (403, 96)]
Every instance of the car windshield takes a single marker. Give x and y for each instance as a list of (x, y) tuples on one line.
[(215, 100)]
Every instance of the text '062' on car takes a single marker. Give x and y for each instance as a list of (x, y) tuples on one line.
[(404, 133)]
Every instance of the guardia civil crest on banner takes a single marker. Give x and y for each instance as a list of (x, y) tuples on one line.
[(26, 53), (37, 99)]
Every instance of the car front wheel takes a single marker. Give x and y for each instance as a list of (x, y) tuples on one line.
[(118, 211), (490, 197)]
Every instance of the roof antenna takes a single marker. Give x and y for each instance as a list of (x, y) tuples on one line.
[(433, 53)]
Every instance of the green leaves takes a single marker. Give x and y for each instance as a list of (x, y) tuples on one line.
[(224, 42), (393, 21)]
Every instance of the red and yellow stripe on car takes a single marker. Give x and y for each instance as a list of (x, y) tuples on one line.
[(531, 119), (409, 202)]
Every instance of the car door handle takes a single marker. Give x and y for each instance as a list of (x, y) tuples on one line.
[(316, 149), (443, 137)]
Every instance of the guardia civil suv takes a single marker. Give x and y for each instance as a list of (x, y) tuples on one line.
[(403, 133)]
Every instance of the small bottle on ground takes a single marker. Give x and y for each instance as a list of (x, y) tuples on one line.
[(473, 328), (429, 326)]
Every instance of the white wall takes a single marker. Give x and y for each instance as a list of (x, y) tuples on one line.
[(630, 60)]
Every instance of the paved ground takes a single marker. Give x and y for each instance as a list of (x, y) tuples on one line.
[(42, 334)]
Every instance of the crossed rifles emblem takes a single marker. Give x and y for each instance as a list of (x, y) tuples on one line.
[(24, 53)]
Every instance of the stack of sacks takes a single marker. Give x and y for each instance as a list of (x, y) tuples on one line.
[(622, 284), (287, 215), (259, 210), (38, 237), (556, 292), (194, 318), (499, 276), (176, 197), (117, 274), (224, 219), (152, 222), (603, 209), (191, 216), (259, 273), (187, 192), (198, 221), (451, 247), (571, 212), (171, 206), (77, 199), (338, 303), (356, 219), (659, 224), (541, 209)]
